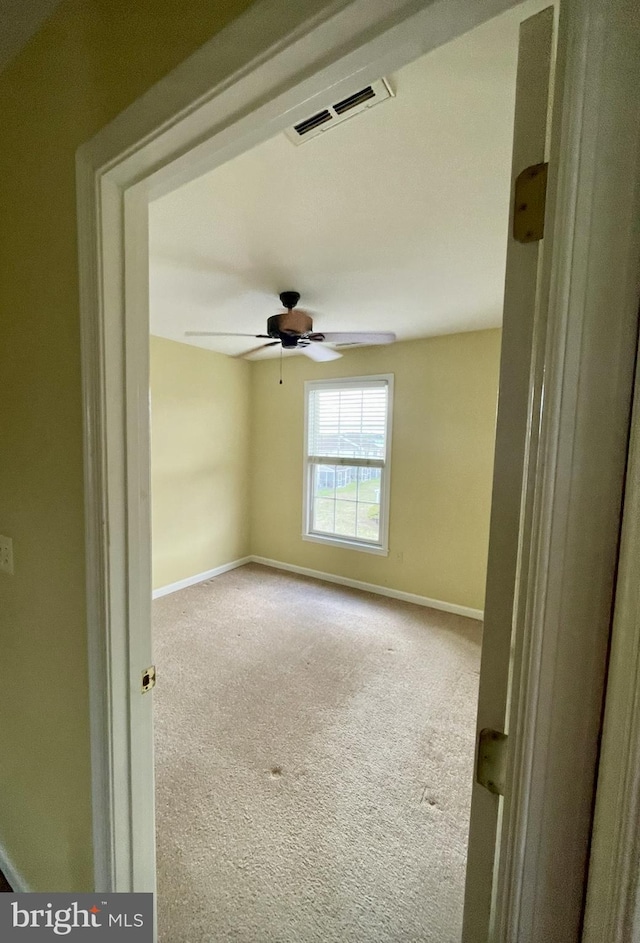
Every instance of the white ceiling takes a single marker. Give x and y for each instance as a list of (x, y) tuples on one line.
[(19, 20), (394, 220)]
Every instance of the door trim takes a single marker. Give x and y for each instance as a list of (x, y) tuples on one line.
[(522, 361), (613, 896), (261, 73), (579, 472)]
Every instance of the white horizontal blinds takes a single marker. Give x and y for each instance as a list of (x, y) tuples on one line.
[(347, 424)]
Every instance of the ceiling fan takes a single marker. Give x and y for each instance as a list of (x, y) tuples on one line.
[(293, 329)]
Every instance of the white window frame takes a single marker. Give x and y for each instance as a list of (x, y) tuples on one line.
[(380, 547)]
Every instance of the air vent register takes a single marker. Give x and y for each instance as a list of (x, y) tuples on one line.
[(333, 115)]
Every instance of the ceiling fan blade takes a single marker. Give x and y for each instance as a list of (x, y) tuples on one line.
[(219, 334), (319, 353), (359, 337), (254, 350)]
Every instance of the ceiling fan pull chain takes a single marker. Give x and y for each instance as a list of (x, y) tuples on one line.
[(281, 352)]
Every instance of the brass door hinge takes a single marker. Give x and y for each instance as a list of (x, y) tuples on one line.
[(491, 765), (148, 679), (530, 195)]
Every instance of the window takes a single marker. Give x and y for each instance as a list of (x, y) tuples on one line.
[(348, 434)]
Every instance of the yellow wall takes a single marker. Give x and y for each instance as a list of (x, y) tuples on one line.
[(442, 460), (89, 61), (199, 460)]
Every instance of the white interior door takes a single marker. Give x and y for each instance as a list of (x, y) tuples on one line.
[(516, 426)]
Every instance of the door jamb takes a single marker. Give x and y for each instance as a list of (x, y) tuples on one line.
[(613, 893), (264, 71)]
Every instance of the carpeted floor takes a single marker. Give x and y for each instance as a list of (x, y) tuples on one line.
[(314, 753)]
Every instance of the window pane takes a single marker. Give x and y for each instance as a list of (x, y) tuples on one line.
[(324, 484), (323, 515), (346, 482), (369, 484), (346, 518), (368, 521)]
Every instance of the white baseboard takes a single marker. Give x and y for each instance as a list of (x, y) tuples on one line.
[(12, 874), (199, 577), (327, 578), (373, 588)]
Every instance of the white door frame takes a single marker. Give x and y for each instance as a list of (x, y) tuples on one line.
[(613, 900), (261, 73)]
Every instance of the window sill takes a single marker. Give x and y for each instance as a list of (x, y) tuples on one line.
[(346, 544)]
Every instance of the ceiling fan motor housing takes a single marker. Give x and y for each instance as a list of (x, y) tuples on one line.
[(289, 326)]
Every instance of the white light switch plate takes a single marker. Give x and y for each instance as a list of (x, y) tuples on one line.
[(6, 554)]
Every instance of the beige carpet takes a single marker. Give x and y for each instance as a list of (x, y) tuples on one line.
[(314, 752)]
